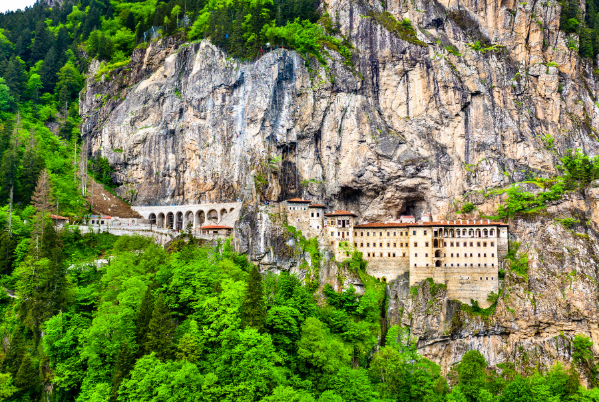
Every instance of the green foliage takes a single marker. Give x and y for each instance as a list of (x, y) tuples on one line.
[(253, 313), (519, 201), (467, 208), (478, 47), (518, 263), (579, 169), (161, 329), (567, 222)]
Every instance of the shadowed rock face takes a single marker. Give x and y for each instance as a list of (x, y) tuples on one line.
[(406, 129)]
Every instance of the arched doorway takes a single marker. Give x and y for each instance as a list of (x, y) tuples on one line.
[(152, 219), (213, 216), (438, 253), (179, 225), (160, 221), (438, 263), (200, 218), (223, 214), (170, 220), (188, 219), (435, 243)]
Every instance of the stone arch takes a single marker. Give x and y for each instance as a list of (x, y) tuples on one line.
[(188, 219), (170, 220), (213, 216), (223, 213), (492, 233), (477, 232), (485, 233), (438, 253), (445, 233), (179, 222), (435, 243), (451, 233), (438, 263), (464, 233), (152, 218), (231, 210), (200, 218), (471, 233), (160, 220)]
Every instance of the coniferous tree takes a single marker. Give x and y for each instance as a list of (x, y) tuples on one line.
[(27, 376), (14, 354), (49, 70), (23, 46), (142, 322), (8, 244), (253, 312), (160, 331), (42, 41), (16, 77), (130, 22), (124, 364), (32, 165), (43, 201)]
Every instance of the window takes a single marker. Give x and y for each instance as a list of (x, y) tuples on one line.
[(318, 214), (381, 233), (452, 265), (400, 244), (452, 254), (404, 254), (413, 232), (373, 244), (355, 244), (492, 254), (338, 222), (492, 265), (415, 254), (388, 254), (369, 254), (465, 244), (426, 254), (481, 278), (394, 244), (332, 233), (388, 245), (332, 243), (479, 256), (470, 254), (477, 244), (361, 244), (425, 232), (381, 254), (367, 233), (485, 255), (485, 265), (487, 278), (102, 222), (457, 255), (451, 244), (485, 244), (426, 244), (427, 265), (458, 265), (387, 233), (415, 244), (338, 234), (414, 264), (492, 244), (356, 234), (312, 215), (367, 244), (393, 255), (380, 244), (394, 234), (470, 244), (317, 227)]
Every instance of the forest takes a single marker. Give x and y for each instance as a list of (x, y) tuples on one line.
[(97, 317)]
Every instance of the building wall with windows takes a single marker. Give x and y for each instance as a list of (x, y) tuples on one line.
[(466, 255)]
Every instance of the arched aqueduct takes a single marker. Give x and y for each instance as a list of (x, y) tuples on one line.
[(178, 216)]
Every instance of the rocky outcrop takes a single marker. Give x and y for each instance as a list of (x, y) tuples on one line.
[(490, 94)]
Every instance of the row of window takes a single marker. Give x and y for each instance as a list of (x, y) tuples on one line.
[(438, 255), (388, 233), (297, 208), (390, 255), (415, 244), (465, 244), (445, 265), (312, 214), (380, 244)]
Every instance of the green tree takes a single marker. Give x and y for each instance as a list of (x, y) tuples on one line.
[(42, 41), (8, 245), (517, 390), (471, 374), (190, 346), (253, 312), (49, 70), (124, 364), (31, 168), (6, 387), (144, 315), (161, 331), (15, 352), (16, 77), (6, 99), (27, 377), (70, 82)]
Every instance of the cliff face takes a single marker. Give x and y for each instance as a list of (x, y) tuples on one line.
[(406, 129)]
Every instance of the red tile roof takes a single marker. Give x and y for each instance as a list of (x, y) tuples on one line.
[(374, 225), (298, 200), (59, 217), (316, 206), (216, 227), (340, 213)]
